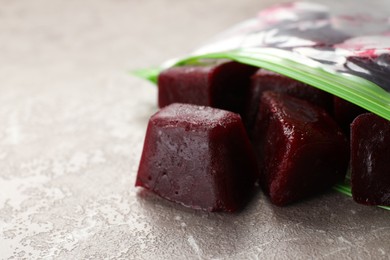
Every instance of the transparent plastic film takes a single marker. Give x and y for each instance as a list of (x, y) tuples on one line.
[(346, 54)]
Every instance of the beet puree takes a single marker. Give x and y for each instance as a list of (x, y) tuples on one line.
[(370, 164), (199, 157), (301, 150), (216, 83), (264, 80)]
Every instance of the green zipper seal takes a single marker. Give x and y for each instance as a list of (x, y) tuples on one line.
[(354, 89)]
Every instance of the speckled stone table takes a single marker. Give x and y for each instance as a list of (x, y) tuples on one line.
[(72, 124)]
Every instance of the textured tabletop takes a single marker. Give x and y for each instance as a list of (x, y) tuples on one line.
[(72, 123)]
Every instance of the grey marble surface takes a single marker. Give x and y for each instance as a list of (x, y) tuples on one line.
[(72, 123)]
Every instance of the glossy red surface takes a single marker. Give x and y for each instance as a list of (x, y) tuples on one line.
[(301, 150), (370, 164), (199, 157), (264, 80), (216, 83)]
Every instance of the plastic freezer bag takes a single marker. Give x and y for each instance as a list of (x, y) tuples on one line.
[(343, 50)]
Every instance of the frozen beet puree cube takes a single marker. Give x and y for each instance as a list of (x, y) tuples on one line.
[(216, 83), (198, 156), (370, 164), (264, 80), (301, 150)]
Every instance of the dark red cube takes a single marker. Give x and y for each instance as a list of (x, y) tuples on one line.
[(301, 150), (217, 83), (199, 157), (370, 164), (264, 80), (345, 112)]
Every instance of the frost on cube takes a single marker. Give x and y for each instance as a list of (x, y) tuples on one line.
[(199, 157), (301, 150), (370, 164), (264, 80)]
